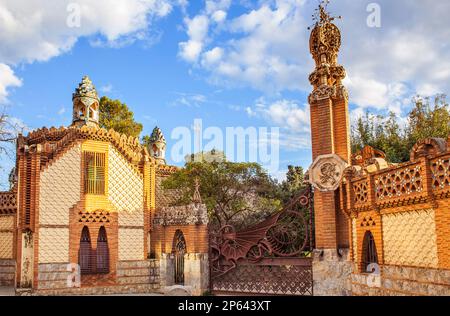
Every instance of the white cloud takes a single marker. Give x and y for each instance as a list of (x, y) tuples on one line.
[(190, 100), (292, 119), (107, 88), (197, 29), (7, 80), (219, 16), (212, 56), (62, 111), (37, 30), (267, 48)]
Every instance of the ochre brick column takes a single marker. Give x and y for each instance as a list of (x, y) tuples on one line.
[(341, 130), (329, 132), (325, 220), (322, 128)]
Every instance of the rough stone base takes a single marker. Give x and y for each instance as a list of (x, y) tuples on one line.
[(7, 272), (132, 277), (108, 290), (53, 276), (403, 281), (167, 270), (196, 273), (331, 273), (138, 272)]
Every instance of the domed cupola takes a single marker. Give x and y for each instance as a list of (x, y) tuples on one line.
[(157, 145), (86, 104)]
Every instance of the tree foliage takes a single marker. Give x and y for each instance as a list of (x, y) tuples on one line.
[(294, 183), (429, 117), (235, 193), (8, 133), (116, 115)]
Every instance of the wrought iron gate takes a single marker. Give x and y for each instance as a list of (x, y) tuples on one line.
[(180, 251), (270, 258)]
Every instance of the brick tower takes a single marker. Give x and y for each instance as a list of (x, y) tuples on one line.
[(330, 138)]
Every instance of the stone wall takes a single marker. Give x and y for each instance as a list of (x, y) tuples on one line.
[(52, 276), (167, 269), (132, 277), (196, 272), (138, 273), (331, 273), (7, 272), (403, 281)]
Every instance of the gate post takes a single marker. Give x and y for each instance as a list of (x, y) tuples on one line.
[(330, 138)]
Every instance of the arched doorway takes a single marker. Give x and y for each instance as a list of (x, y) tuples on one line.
[(369, 251), (179, 250), (85, 258), (102, 252)]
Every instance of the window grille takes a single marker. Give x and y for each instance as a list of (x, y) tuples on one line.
[(102, 252), (85, 258), (94, 173)]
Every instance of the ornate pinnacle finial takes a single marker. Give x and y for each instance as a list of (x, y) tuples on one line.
[(85, 89), (321, 15), (197, 199), (86, 104), (157, 135)]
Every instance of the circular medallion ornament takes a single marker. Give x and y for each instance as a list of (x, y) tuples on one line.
[(327, 171)]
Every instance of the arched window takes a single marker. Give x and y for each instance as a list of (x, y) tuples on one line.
[(179, 249), (85, 258), (369, 251), (102, 252)]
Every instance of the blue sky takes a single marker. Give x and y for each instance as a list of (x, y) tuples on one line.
[(229, 63)]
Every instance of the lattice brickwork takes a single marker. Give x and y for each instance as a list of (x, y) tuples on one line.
[(131, 244), (126, 190), (440, 169), (60, 188), (6, 222), (6, 245), (398, 183), (361, 190), (410, 239), (8, 202), (53, 245), (355, 239)]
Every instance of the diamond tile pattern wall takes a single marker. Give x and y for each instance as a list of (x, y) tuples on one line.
[(53, 245), (126, 190), (60, 188), (6, 222), (6, 245), (410, 239), (354, 240), (131, 244)]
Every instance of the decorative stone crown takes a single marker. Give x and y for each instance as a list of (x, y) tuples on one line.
[(157, 146), (325, 40), (192, 214), (85, 89), (86, 104), (157, 136)]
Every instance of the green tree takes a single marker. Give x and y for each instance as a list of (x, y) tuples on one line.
[(234, 193), (294, 183), (426, 119), (116, 115)]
